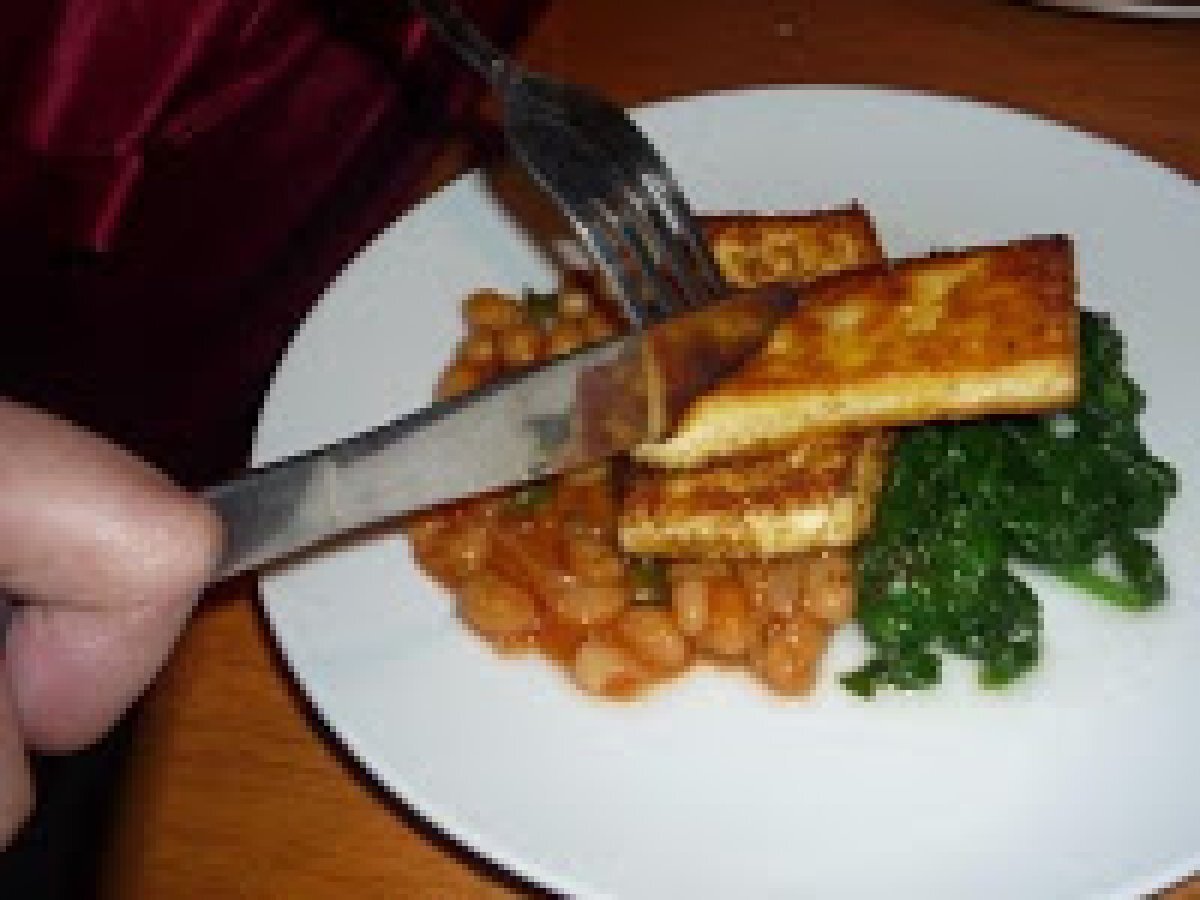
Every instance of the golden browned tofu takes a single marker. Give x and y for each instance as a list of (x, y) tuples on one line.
[(808, 494), (952, 335), (753, 249), (820, 492)]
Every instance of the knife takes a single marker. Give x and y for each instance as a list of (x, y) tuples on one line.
[(570, 412)]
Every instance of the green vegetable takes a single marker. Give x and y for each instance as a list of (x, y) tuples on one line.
[(649, 576), (1064, 493), (541, 307), (531, 496), (1141, 584)]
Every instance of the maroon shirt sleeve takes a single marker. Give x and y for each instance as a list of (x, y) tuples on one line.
[(178, 182)]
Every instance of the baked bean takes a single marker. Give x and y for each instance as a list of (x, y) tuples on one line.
[(468, 547), (579, 602), (651, 634), (564, 336), (597, 328), (459, 378), (689, 603), (828, 592), (755, 577), (521, 345), (604, 668), (452, 552), (430, 534), (497, 607), (574, 303), (786, 583), (488, 309), (527, 554), (438, 564), (594, 560), (790, 656), (730, 630), (479, 349), (424, 528)]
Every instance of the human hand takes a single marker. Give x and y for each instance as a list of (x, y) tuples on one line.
[(103, 558)]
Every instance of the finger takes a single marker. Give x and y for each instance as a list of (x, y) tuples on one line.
[(108, 556), (16, 784)]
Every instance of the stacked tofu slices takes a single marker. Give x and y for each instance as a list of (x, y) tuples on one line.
[(787, 457)]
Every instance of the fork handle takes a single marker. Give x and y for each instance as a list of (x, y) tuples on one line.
[(456, 30)]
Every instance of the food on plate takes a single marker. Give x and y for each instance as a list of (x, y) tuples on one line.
[(950, 335), (817, 492), (1073, 494), (506, 333), (539, 567), (755, 249), (777, 514)]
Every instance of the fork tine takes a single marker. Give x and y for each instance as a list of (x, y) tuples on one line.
[(655, 223), (605, 176), (608, 124), (677, 219), (684, 226), (647, 225), (633, 216), (670, 252), (626, 264), (593, 231), (626, 244), (660, 296)]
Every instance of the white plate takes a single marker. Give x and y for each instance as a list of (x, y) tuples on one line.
[(1081, 781)]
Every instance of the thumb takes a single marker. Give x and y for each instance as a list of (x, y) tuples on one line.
[(108, 557)]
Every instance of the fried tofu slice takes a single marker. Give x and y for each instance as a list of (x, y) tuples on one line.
[(754, 249), (949, 336), (811, 493), (819, 492)]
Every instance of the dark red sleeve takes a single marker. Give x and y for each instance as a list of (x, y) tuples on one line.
[(180, 179)]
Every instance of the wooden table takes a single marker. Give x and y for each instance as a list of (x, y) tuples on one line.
[(235, 792)]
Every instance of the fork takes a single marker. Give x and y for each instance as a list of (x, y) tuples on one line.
[(602, 173)]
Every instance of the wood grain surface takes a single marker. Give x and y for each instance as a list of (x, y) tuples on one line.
[(235, 791)]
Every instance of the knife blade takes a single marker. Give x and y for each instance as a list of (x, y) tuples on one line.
[(570, 412)]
